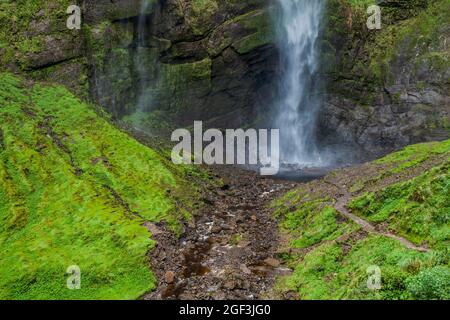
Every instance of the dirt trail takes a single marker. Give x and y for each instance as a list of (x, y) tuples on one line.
[(341, 206), (229, 252)]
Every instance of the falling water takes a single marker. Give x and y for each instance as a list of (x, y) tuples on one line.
[(141, 28), (298, 28), (144, 98)]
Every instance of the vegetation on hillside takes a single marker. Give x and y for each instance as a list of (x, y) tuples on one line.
[(74, 190), (405, 193)]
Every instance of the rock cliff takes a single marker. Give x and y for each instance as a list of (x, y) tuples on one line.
[(386, 88), (168, 63)]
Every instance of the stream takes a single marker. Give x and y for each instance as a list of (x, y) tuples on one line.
[(230, 252)]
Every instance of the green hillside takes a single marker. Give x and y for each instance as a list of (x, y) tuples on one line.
[(402, 196), (74, 190)]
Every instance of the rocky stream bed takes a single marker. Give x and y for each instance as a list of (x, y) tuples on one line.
[(230, 250)]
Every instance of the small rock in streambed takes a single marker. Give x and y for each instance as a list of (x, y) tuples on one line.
[(225, 187), (283, 272), (272, 262), (208, 201), (169, 277), (245, 269), (154, 230), (191, 224), (216, 229), (244, 243), (230, 285)]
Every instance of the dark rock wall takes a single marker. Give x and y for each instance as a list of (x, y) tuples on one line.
[(201, 60), (34, 39), (209, 60), (387, 88), (215, 61)]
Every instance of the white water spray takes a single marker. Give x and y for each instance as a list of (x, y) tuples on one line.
[(298, 28)]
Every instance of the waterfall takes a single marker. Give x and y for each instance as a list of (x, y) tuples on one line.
[(298, 30), (144, 98), (141, 27)]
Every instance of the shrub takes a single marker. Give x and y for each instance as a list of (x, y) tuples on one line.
[(433, 283)]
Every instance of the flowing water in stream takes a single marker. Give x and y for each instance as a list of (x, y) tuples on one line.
[(298, 24)]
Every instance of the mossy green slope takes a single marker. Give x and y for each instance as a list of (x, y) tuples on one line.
[(74, 190), (406, 194)]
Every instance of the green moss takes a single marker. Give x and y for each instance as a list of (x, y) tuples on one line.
[(17, 40), (418, 209), (399, 163), (369, 60), (200, 6), (198, 70), (310, 225), (236, 239), (327, 272), (308, 278), (75, 191), (414, 155), (330, 254), (200, 15), (361, 3), (155, 121), (176, 79), (413, 37), (256, 28), (261, 31)]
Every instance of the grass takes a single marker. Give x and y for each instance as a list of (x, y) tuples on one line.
[(74, 190), (413, 155), (331, 255), (401, 162), (314, 222), (328, 272), (418, 209)]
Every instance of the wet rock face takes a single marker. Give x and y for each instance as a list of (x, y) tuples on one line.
[(386, 88), (231, 42), (97, 11), (211, 60), (34, 39), (198, 60), (215, 61)]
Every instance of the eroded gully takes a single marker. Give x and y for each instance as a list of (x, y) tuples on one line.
[(230, 252)]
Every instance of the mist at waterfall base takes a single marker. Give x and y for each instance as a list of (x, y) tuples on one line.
[(298, 26)]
